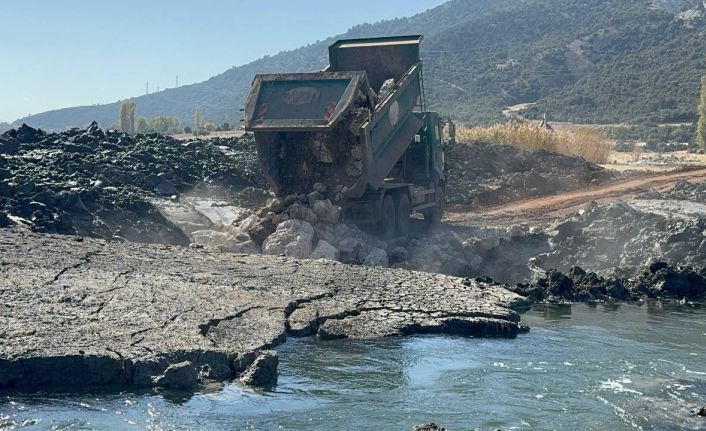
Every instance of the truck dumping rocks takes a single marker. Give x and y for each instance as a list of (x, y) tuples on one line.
[(154, 315), (103, 183)]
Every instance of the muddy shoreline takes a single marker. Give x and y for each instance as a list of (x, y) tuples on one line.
[(83, 312)]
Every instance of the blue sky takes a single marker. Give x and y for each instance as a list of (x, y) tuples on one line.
[(59, 53)]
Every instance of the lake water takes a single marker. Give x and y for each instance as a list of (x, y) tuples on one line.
[(582, 367)]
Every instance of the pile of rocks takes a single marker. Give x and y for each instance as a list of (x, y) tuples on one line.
[(683, 190), (659, 281), (480, 173), (309, 227), (623, 237), (99, 183)]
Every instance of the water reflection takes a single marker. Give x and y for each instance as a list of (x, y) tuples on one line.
[(555, 311)]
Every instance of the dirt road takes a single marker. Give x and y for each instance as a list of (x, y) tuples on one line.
[(549, 208)]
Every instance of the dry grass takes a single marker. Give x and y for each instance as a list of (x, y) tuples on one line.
[(589, 143)]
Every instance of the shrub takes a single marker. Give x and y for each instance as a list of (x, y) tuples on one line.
[(589, 143)]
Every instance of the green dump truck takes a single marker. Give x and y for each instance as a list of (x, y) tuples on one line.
[(357, 131)]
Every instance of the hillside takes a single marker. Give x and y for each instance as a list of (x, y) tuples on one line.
[(597, 61)]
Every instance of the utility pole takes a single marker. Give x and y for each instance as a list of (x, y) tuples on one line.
[(147, 88), (177, 82)]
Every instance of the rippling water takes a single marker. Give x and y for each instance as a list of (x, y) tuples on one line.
[(581, 367)]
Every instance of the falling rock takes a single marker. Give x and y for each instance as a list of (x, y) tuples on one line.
[(313, 197), (326, 211), (293, 238), (320, 187), (178, 376), (263, 371), (324, 250), (376, 257), (301, 212)]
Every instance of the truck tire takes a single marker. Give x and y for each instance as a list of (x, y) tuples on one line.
[(388, 214), (433, 216), (404, 211)]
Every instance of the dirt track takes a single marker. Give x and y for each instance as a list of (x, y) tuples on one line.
[(549, 208)]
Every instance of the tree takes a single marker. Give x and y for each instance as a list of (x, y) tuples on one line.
[(701, 113), (165, 125), (142, 125), (127, 116), (198, 121), (225, 126)]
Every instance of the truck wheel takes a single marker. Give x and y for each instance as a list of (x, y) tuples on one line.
[(404, 211), (389, 216)]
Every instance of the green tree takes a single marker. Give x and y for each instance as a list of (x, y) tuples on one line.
[(142, 126), (127, 116), (198, 121), (165, 125), (701, 122)]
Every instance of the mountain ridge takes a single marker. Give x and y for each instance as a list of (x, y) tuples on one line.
[(573, 58)]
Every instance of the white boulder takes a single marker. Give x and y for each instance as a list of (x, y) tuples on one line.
[(293, 238), (324, 250)]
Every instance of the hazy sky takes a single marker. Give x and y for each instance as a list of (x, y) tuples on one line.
[(59, 53)]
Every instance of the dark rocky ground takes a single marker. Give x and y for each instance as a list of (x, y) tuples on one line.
[(482, 174), (101, 183), (659, 281), (80, 311)]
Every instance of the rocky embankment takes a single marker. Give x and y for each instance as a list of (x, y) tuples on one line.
[(623, 238), (90, 312), (96, 183), (659, 281)]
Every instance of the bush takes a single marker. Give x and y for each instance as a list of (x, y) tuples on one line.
[(589, 143), (187, 130)]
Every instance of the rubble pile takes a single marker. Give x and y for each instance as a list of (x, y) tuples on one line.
[(621, 238), (308, 227), (97, 183), (480, 173), (683, 191), (659, 281)]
